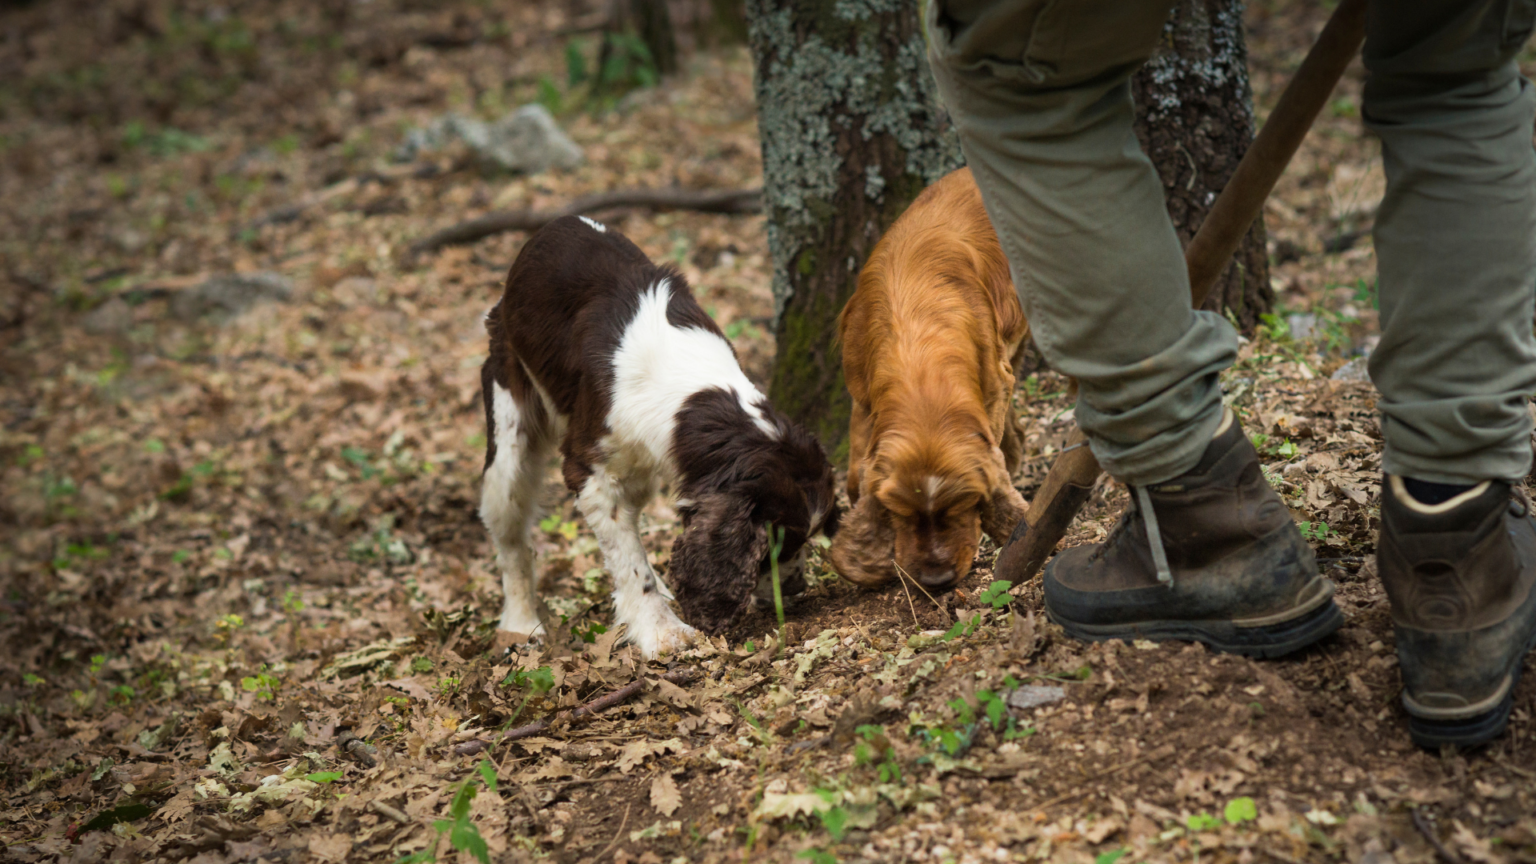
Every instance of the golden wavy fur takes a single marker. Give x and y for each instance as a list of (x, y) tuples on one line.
[(930, 340)]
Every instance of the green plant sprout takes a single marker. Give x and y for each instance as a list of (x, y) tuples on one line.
[(264, 685), (554, 524), (1315, 530), (997, 595), (775, 546), (875, 745), (463, 834), (963, 628), (538, 681), (588, 632)]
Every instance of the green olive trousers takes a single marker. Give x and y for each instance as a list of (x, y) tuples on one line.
[(1040, 93)]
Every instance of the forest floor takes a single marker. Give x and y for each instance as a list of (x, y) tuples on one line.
[(248, 609)]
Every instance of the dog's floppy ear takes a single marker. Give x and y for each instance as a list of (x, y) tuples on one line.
[(863, 552), (715, 560)]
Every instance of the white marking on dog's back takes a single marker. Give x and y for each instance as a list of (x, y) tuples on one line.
[(757, 416), (658, 366), (596, 225)]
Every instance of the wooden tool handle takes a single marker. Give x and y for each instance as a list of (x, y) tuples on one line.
[(1075, 471)]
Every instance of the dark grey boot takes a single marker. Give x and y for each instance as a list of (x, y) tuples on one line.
[(1210, 556), (1461, 578)]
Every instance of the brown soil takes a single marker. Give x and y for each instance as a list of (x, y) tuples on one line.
[(236, 555)]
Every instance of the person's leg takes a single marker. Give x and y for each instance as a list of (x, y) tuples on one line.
[(1456, 249), (1455, 238), (1040, 93)]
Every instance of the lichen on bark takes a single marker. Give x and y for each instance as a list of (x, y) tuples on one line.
[(1195, 119), (851, 131)]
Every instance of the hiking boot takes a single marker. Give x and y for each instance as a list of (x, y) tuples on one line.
[(1210, 556), (1461, 578)]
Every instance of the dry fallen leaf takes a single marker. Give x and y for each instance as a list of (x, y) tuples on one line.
[(664, 795), (330, 847), (636, 752)]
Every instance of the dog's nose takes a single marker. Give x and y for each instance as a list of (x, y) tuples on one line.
[(937, 578)]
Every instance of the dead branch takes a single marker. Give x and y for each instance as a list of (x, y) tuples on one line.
[(701, 200), (383, 809), (475, 745)]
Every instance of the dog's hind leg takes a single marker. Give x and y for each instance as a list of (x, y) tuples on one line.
[(517, 444), (612, 510)]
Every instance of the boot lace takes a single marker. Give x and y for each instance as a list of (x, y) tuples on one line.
[(1154, 537), (1141, 502)]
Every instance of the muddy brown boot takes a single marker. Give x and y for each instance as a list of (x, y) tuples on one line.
[(1461, 578), (1210, 556)]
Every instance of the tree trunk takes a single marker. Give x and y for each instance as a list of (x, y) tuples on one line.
[(653, 24), (851, 131), (1194, 116)]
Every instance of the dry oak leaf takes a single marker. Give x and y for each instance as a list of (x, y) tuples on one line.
[(551, 769), (674, 694), (178, 808), (330, 847), (636, 752), (664, 795), (777, 805)]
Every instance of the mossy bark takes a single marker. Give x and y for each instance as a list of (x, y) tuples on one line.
[(1194, 116), (851, 131)]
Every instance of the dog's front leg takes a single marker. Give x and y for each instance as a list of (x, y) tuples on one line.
[(1003, 507), (639, 598)]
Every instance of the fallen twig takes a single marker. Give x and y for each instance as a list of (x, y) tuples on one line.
[(1428, 831), (1160, 753), (703, 200), (918, 584), (387, 811), (475, 745), (617, 834), (910, 604)]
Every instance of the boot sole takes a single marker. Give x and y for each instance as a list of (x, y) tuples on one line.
[(1473, 731), (1228, 637)]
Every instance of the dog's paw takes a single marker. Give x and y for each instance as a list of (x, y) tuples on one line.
[(659, 631), (658, 640), (672, 640)]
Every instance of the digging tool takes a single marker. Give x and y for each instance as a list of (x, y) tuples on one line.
[(1073, 474)]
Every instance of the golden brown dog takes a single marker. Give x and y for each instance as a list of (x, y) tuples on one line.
[(930, 340)]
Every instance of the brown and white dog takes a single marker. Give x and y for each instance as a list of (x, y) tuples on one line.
[(930, 340), (596, 347)]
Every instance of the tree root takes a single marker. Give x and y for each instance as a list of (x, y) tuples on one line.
[(475, 745)]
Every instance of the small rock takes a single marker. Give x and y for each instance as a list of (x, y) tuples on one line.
[(128, 241), (110, 318), (1035, 695), (1302, 327), (229, 295), (528, 140), (1354, 370)]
